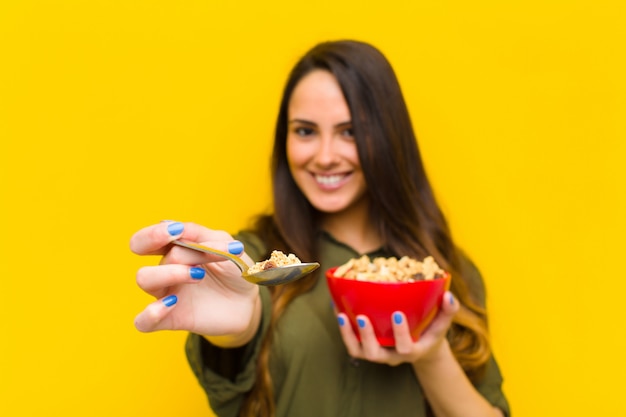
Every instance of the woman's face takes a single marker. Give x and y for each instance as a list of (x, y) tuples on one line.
[(321, 149)]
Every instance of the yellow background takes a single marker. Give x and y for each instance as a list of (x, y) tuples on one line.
[(118, 114)]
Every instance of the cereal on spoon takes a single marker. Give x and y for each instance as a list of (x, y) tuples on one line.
[(277, 259)]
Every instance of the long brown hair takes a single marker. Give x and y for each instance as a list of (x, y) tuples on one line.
[(402, 202)]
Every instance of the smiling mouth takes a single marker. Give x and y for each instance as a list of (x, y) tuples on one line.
[(330, 180)]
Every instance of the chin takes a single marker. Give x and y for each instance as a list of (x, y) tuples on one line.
[(334, 202), (330, 206)]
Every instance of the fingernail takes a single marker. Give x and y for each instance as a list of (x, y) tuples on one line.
[(397, 318), (341, 320), (235, 247), (170, 300), (451, 299), (196, 273), (361, 323), (175, 229)]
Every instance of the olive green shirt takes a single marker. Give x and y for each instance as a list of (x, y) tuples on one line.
[(312, 373)]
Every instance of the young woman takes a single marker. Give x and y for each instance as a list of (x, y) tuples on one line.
[(348, 180)]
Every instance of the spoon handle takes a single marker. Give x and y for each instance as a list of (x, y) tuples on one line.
[(200, 248)]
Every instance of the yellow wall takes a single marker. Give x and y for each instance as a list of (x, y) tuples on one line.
[(117, 114)]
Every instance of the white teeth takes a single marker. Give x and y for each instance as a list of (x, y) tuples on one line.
[(328, 179)]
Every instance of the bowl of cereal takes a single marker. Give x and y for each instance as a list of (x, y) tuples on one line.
[(378, 287)]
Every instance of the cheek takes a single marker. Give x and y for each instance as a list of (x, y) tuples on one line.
[(350, 153), (291, 154), (296, 153)]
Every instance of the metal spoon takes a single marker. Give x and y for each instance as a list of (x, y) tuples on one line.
[(273, 276)]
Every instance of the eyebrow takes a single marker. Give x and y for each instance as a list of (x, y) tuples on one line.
[(308, 122)]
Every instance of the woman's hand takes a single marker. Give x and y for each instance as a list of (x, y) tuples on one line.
[(197, 292), (445, 385), (428, 346)]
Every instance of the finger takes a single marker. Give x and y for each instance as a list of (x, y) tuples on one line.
[(152, 240), (187, 256), (450, 304), (443, 319), (441, 323), (155, 279), (151, 317), (401, 333), (349, 337), (369, 344)]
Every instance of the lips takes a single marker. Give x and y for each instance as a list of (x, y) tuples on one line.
[(330, 181)]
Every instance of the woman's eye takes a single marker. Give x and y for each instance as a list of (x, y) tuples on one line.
[(303, 131), (348, 133)]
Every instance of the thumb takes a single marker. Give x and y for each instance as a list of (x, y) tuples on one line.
[(441, 323)]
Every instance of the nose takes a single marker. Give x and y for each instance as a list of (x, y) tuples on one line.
[(326, 154)]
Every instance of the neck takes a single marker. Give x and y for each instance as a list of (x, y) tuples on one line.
[(354, 228)]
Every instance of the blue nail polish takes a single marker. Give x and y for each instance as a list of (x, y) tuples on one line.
[(397, 318), (451, 299), (196, 273), (235, 247), (170, 300), (175, 229), (341, 321), (361, 323)]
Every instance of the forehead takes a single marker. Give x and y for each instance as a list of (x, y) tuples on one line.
[(318, 94)]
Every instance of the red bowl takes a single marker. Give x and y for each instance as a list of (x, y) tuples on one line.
[(419, 301)]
